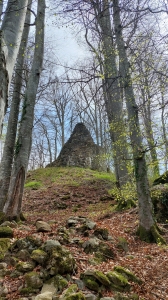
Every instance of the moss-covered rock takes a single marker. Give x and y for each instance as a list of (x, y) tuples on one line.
[(25, 266), (33, 280), (91, 283), (4, 246), (28, 291), (101, 233), (159, 196), (126, 273), (39, 256), (76, 296), (59, 283), (6, 232), (69, 291), (118, 281), (102, 278), (61, 261), (29, 243), (105, 252), (102, 250), (120, 296), (44, 296)]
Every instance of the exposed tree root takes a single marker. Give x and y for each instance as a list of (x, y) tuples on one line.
[(151, 236)]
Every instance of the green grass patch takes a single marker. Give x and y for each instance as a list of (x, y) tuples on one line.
[(34, 185), (72, 176)]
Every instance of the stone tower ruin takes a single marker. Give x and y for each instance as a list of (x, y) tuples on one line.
[(80, 151)]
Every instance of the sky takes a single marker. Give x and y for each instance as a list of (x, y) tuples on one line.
[(63, 40)]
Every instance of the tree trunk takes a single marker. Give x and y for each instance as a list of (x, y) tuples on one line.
[(113, 101), (9, 46), (149, 131), (1, 9), (165, 140), (9, 146), (12, 208), (147, 228)]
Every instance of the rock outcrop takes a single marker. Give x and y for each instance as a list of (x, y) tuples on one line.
[(80, 151)]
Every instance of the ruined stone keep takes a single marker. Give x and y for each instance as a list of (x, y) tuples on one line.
[(80, 151)]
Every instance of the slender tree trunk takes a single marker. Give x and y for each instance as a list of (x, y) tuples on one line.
[(113, 99), (165, 139), (12, 208), (149, 131), (9, 46), (1, 9), (9, 146), (147, 229)]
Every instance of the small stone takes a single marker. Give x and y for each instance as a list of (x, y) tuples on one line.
[(43, 226), (72, 222), (44, 296), (90, 224), (49, 245), (3, 265), (80, 284), (91, 297), (23, 255), (107, 298)]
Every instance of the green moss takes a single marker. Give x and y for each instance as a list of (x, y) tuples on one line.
[(91, 283), (76, 296), (2, 217), (151, 236), (28, 290), (102, 278), (125, 204), (33, 280), (118, 281), (126, 273), (4, 244), (70, 290), (39, 255), (119, 296), (6, 232)]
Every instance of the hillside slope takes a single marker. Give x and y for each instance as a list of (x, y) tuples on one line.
[(57, 195)]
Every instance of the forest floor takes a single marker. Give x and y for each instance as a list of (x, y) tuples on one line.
[(86, 193)]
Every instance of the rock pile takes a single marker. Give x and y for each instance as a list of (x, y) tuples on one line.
[(48, 267)]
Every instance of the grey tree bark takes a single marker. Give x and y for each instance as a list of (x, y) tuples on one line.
[(147, 229), (1, 9), (9, 146), (113, 100), (9, 46), (149, 130), (12, 208)]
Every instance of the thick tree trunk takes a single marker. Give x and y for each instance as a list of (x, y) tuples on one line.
[(9, 147), (12, 208), (112, 97), (147, 229), (9, 46)]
